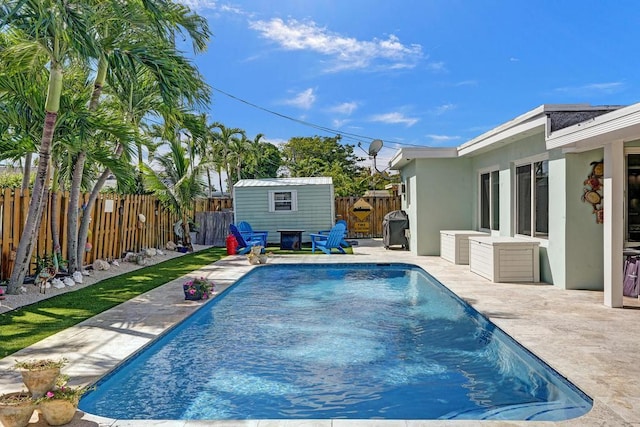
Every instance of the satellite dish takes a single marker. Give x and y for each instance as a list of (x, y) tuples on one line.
[(374, 147)]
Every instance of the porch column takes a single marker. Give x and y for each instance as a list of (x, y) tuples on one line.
[(613, 233)]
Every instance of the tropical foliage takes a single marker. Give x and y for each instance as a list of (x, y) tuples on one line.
[(96, 88), (84, 75)]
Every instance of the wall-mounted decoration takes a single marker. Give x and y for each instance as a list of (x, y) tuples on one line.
[(593, 190)]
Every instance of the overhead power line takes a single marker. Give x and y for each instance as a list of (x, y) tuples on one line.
[(345, 135)]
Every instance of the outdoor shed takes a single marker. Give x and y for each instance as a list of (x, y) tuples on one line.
[(272, 204)]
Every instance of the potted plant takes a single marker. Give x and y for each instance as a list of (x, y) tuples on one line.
[(16, 409), (40, 375), (197, 289), (59, 405)]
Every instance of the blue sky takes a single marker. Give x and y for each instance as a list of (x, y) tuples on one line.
[(412, 72)]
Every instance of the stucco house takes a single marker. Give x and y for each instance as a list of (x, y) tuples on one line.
[(556, 175)]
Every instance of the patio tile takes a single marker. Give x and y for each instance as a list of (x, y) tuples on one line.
[(595, 347)]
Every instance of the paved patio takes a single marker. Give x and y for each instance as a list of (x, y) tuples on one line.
[(595, 347)]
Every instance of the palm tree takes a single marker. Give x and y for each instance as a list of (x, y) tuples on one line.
[(175, 182), (140, 36), (238, 149), (61, 32), (223, 141)]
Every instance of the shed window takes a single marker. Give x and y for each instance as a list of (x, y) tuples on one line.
[(283, 201)]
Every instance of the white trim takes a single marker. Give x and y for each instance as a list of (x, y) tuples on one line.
[(493, 168), (621, 124), (613, 234), (272, 201), (509, 135), (507, 132), (487, 170), (544, 157), (531, 159), (405, 155)]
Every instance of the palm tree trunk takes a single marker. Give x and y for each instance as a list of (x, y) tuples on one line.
[(83, 233), (220, 179), (26, 171), (75, 262), (229, 180), (76, 244), (55, 232), (31, 228)]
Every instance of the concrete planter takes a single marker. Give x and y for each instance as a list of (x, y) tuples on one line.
[(16, 409), (38, 382), (57, 412)]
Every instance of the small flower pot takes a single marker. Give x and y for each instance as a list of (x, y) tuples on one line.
[(57, 412), (192, 297), (40, 381), (15, 413)]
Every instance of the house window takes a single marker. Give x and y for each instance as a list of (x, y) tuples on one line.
[(283, 201), (490, 200), (532, 199)]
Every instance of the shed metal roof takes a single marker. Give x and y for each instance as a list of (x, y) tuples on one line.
[(276, 182)]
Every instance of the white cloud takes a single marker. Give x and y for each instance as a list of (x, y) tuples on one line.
[(444, 108), (199, 4), (344, 108), (466, 83), (441, 139), (346, 52), (338, 123), (395, 118), (303, 100), (592, 88), (437, 67), (276, 141)]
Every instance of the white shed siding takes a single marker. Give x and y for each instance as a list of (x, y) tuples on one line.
[(315, 201)]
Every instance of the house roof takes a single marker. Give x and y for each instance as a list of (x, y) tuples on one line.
[(543, 118), (275, 182), (622, 124)]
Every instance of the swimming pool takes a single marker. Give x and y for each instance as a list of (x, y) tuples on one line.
[(364, 341)]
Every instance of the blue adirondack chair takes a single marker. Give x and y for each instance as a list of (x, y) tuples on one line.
[(249, 233), (244, 246), (327, 242), (344, 242)]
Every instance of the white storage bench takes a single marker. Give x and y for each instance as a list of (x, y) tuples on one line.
[(504, 259), (454, 245)]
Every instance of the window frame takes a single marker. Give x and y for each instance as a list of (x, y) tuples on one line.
[(292, 201), (493, 204), (627, 238), (534, 221)]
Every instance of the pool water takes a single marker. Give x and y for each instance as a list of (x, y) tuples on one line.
[(365, 341)]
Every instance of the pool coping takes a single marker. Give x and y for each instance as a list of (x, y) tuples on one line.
[(543, 318)]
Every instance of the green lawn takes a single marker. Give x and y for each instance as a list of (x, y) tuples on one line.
[(27, 325)]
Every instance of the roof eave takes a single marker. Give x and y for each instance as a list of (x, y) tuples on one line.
[(520, 127), (619, 125), (406, 155)]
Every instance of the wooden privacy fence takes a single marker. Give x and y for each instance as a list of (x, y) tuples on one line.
[(116, 226), (347, 208)]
